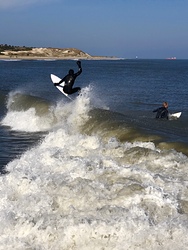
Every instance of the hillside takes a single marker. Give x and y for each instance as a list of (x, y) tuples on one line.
[(9, 51)]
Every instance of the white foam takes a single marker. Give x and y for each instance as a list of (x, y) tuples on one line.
[(27, 121), (72, 115), (74, 191)]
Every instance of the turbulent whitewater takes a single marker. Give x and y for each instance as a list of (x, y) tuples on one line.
[(90, 179)]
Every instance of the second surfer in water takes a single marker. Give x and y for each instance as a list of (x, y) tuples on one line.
[(69, 80), (162, 112)]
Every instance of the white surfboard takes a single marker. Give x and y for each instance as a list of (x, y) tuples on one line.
[(175, 115), (56, 79)]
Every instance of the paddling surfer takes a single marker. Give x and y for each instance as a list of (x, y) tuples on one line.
[(162, 112), (69, 80)]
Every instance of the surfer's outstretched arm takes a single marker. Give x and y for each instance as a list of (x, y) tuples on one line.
[(79, 70)]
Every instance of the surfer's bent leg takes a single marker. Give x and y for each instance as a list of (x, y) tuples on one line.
[(67, 89), (74, 90)]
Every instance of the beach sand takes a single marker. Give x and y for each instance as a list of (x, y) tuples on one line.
[(3, 57)]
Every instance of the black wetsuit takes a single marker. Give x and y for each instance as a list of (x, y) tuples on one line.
[(161, 112), (70, 79)]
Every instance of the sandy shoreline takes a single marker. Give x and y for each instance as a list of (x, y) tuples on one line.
[(2, 57)]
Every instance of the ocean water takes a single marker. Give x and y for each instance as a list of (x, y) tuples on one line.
[(98, 172)]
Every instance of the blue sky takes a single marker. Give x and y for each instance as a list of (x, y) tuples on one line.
[(122, 28)]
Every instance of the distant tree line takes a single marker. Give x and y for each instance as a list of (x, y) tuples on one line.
[(4, 47)]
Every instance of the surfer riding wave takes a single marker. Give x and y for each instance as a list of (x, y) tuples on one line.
[(69, 80)]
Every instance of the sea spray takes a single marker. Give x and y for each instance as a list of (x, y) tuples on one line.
[(82, 105), (36, 115)]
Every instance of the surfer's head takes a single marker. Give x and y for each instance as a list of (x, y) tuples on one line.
[(71, 72), (165, 104)]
